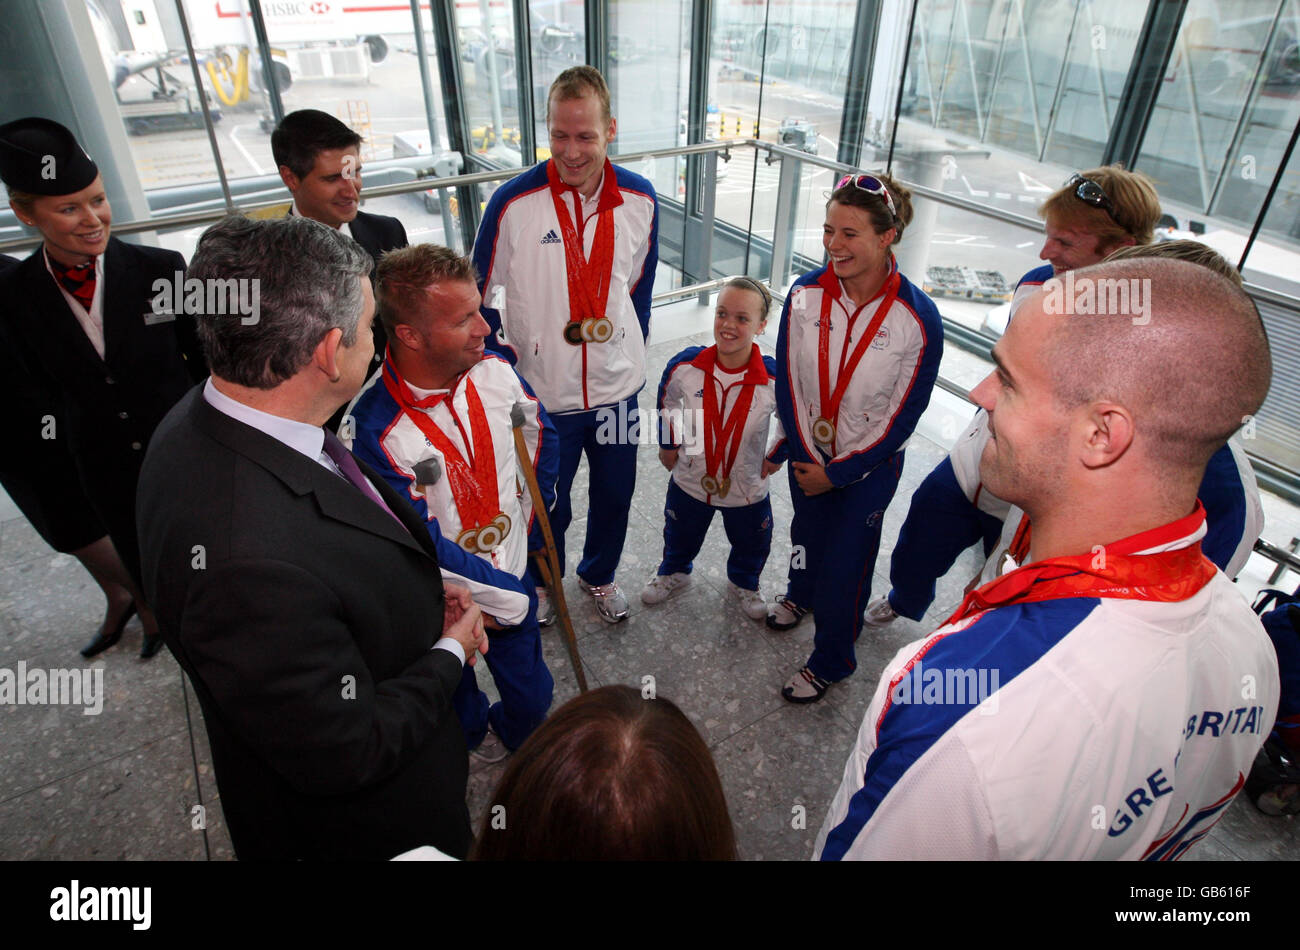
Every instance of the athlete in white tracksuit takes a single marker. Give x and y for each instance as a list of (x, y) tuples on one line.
[(520, 256), (746, 506), (499, 580), (835, 535), (1077, 727)]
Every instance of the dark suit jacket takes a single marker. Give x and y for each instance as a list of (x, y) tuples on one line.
[(306, 630), (110, 406)]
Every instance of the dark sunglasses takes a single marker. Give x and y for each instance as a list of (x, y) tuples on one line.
[(871, 185), (1088, 191)]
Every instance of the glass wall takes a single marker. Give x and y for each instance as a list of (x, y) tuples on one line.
[(558, 41)]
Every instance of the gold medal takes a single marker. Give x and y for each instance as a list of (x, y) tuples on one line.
[(468, 540), (823, 431), (573, 332), (489, 536), (709, 484), (502, 522), (724, 486), (601, 330)]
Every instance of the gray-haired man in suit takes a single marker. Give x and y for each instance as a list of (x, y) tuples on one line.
[(299, 592)]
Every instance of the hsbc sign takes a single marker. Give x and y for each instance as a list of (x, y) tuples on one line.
[(299, 11)]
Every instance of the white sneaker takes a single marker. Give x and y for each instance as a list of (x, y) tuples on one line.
[(751, 601), (879, 613), (610, 602), (662, 586), (545, 609)]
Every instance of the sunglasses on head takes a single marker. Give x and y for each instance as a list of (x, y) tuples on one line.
[(871, 185), (1089, 192)]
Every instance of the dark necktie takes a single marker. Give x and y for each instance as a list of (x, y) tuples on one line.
[(340, 456), (78, 280)]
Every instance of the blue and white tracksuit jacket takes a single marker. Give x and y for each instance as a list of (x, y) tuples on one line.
[(1082, 728), (835, 536), (1028, 285), (746, 508), (681, 426), (520, 258), (392, 444)]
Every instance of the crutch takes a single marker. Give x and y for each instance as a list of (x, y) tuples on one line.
[(548, 560)]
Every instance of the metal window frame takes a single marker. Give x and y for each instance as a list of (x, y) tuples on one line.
[(524, 83), (857, 86), (1155, 47), (458, 138), (596, 21)]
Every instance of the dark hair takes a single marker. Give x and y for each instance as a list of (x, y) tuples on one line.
[(752, 285), (304, 134), (405, 274), (610, 776), (308, 278), (851, 196)]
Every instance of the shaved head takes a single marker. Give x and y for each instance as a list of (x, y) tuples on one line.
[(1190, 372)]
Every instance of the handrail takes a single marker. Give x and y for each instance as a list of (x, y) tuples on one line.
[(189, 219)]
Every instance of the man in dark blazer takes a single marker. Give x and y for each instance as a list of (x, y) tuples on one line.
[(320, 163), (298, 591)]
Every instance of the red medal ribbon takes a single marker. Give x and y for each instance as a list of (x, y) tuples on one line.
[(830, 400), (473, 483), (723, 432), (588, 278), (1116, 571)]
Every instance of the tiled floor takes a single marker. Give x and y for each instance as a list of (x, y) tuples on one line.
[(127, 783)]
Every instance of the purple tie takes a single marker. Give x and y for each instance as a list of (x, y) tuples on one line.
[(341, 457)]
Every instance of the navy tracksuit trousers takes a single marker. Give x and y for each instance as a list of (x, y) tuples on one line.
[(834, 540), (687, 520)]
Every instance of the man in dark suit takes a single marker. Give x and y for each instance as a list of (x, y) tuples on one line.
[(298, 591), (320, 163)]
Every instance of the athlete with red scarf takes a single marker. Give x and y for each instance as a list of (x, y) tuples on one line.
[(1106, 698)]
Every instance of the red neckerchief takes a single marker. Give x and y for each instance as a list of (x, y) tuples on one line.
[(76, 279), (588, 277), (723, 431), (1116, 571), (830, 400), (473, 482)]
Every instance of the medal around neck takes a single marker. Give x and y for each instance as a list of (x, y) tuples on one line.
[(588, 330), (486, 538), (823, 431)]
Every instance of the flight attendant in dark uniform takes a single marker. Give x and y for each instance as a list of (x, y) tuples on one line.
[(38, 474), (81, 311)]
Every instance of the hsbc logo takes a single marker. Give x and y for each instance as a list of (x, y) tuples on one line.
[(291, 8)]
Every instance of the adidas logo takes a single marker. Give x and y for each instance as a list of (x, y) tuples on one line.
[(551, 237)]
